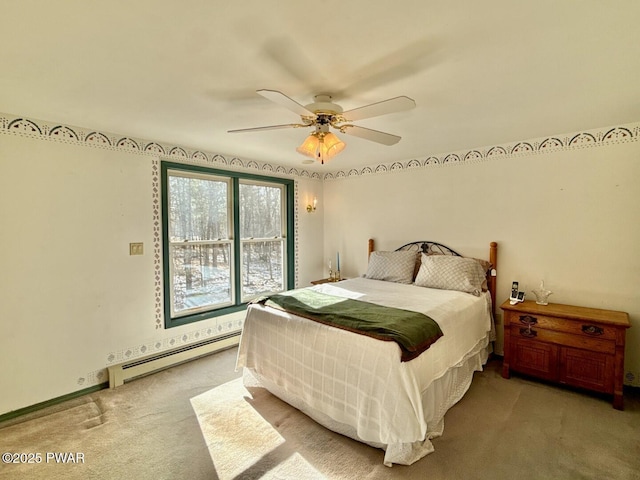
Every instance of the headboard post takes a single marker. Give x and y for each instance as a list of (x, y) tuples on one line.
[(493, 258), (371, 247)]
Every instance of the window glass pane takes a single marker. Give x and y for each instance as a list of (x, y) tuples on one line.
[(198, 209), (260, 211), (262, 268), (201, 276)]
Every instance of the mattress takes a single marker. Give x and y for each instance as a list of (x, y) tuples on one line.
[(357, 385)]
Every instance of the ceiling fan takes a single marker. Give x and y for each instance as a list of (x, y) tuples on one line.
[(323, 114)]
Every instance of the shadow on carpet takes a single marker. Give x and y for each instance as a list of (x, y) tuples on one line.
[(252, 434)]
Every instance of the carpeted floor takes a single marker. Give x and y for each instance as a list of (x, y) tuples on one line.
[(197, 421)]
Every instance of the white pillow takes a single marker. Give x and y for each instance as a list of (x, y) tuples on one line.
[(448, 272), (392, 266)]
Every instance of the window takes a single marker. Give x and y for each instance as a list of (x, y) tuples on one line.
[(262, 240), (227, 240)]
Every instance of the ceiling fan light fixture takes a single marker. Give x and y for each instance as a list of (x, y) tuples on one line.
[(321, 146), (332, 145), (310, 146)]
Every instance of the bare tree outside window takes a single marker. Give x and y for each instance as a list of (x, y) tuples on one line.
[(261, 227), (200, 246)]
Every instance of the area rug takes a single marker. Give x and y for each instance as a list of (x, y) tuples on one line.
[(252, 434)]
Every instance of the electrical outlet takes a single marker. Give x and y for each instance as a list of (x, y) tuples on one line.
[(632, 379), (136, 248)]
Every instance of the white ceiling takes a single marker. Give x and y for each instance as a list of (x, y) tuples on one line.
[(184, 72)]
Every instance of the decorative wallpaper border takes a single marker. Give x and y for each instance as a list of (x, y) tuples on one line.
[(223, 325), (586, 139), (158, 278), (11, 124)]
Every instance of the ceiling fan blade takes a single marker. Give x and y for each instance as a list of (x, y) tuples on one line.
[(392, 105), (281, 99), (268, 127), (368, 134), (288, 55), (408, 60)]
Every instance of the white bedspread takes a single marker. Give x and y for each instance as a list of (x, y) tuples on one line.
[(360, 382)]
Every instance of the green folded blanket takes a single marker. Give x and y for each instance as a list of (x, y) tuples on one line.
[(413, 332)]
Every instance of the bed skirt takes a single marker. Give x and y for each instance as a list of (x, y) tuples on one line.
[(440, 396)]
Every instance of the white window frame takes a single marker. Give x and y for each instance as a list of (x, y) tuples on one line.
[(219, 241)]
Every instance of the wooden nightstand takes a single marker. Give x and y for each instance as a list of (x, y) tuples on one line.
[(578, 346)]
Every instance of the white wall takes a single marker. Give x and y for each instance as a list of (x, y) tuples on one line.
[(309, 232), (570, 217), (73, 300)]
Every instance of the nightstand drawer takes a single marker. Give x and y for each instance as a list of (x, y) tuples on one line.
[(563, 338), (587, 369), (535, 358), (577, 327)]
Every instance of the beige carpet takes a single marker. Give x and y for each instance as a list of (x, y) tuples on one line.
[(252, 434), (197, 421)]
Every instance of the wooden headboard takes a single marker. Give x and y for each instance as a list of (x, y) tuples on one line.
[(438, 248)]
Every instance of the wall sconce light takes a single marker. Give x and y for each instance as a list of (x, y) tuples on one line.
[(311, 207)]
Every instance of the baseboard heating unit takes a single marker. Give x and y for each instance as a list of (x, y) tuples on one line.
[(137, 367)]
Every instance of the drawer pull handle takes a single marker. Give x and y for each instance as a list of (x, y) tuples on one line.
[(528, 320), (592, 330), (527, 332)]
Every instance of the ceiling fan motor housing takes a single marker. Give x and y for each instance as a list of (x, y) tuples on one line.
[(323, 122), (324, 105)]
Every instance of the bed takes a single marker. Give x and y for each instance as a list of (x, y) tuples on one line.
[(361, 386)]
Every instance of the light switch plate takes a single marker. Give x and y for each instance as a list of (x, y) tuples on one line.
[(136, 248)]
